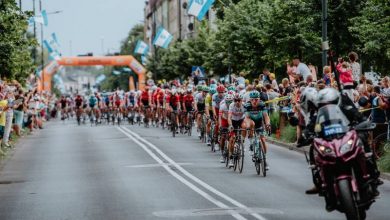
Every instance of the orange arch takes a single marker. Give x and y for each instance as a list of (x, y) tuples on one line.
[(51, 68)]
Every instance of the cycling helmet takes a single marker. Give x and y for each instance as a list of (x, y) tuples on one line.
[(213, 86), (189, 90), (231, 88), (254, 94), (213, 81), (231, 92), (206, 89), (308, 99), (213, 91), (221, 88), (229, 97), (328, 96), (199, 88), (154, 88), (173, 91), (238, 96)]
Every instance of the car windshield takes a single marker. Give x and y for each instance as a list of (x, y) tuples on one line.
[(332, 121)]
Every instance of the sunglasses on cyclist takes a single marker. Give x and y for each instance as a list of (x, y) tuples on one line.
[(237, 100), (255, 100)]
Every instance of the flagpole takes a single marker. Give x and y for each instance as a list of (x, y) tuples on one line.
[(35, 36), (42, 60)]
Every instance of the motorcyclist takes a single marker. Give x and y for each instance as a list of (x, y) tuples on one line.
[(310, 101)]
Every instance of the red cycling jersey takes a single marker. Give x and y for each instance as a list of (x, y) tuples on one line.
[(173, 100), (145, 96), (188, 100)]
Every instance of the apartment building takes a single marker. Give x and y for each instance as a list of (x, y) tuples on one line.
[(173, 16)]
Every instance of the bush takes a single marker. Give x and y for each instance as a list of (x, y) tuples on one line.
[(289, 134), (275, 119), (384, 161)]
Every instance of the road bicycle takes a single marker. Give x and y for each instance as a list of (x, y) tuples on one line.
[(259, 156), (238, 150), (381, 143)]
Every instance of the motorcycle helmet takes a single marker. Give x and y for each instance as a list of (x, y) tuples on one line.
[(328, 96), (308, 99)]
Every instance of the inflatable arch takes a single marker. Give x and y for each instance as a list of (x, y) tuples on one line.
[(51, 68)]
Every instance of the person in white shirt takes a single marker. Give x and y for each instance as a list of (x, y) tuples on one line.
[(301, 69), (356, 71)]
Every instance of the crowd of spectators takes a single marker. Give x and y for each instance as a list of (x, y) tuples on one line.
[(21, 111)]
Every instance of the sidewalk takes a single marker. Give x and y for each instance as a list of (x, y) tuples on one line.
[(306, 149)]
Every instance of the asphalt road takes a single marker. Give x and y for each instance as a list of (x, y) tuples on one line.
[(80, 172)]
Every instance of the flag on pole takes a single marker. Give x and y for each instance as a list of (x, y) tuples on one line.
[(199, 8), (42, 19), (144, 59), (48, 46), (141, 48), (54, 56), (163, 38)]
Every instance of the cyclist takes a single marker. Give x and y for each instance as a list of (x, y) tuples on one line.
[(256, 115), (145, 99), (173, 104), (200, 105), (188, 106), (236, 121), (216, 101), (209, 112), (78, 105), (64, 104), (223, 120), (92, 103)]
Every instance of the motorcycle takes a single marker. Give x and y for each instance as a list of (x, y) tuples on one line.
[(340, 164)]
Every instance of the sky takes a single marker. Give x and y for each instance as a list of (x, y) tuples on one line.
[(84, 26)]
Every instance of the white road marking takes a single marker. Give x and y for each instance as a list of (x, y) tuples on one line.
[(155, 165), (197, 180), (180, 178)]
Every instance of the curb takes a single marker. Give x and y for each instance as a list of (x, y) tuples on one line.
[(306, 149)]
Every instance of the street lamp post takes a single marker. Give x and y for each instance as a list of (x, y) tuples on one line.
[(325, 44)]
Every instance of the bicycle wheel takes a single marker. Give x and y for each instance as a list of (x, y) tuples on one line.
[(263, 162), (235, 155), (240, 157), (256, 156), (379, 144), (173, 124), (212, 141)]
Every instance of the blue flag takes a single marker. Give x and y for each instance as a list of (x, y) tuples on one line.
[(163, 38), (199, 8), (141, 48), (48, 46)]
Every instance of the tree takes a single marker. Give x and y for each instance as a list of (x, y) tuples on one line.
[(372, 29), (15, 46)]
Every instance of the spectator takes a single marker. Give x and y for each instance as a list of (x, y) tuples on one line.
[(19, 112), (302, 71), (313, 71), (274, 84), (266, 76), (378, 104), (356, 71), (327, 75)]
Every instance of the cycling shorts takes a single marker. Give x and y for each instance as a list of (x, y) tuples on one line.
[(145, 103), (201, 107)]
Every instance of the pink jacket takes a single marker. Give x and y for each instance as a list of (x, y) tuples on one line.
[(345, 75)]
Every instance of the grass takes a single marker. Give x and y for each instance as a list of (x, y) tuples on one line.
[(289, 134), (384, 161)]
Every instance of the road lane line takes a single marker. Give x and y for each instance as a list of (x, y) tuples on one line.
[(180, 178), (154, 165), (194, 178)]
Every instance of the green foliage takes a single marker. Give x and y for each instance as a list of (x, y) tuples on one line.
[(130, 42), (372, 28), (289, 134), (253, 34), (15, 53), (121, 81), (275, 120), (384, 161)]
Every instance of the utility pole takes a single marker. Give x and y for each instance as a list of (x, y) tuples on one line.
[(20, 5), (325, 43), (42, 59), (35, 36)]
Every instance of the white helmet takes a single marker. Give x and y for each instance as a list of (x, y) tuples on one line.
[(229, 97), (308, 99), (328, 96)]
